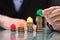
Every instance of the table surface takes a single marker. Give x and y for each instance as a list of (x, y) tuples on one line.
[(9, 35)]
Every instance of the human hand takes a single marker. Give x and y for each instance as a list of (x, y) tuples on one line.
[(52, 16), (7, 22)]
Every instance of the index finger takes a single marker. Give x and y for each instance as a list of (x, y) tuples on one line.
[(49, 10)]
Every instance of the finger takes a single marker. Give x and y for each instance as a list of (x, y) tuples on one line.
[(55, 13), (34, 27), (56, 27), (56, 20), (49, 10), (1, 23), (25, 26)]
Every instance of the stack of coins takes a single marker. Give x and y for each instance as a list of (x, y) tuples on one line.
[(30, 23), (13, 27), (39, 19), (21, 26)]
